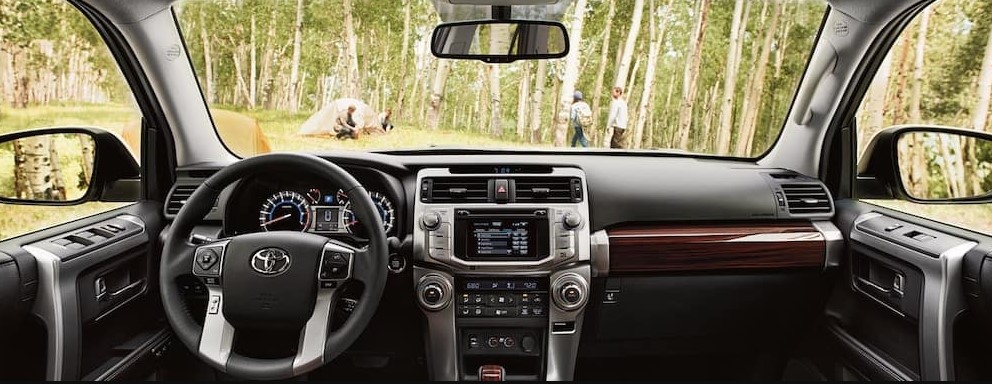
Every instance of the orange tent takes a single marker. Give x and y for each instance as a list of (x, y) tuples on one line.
[(240, 133)]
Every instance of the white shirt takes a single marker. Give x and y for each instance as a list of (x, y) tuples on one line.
[(618, 114)]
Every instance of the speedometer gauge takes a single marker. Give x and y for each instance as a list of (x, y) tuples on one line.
[(285, 211), (382, 204)]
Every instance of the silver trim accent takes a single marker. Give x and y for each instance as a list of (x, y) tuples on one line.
[(217, 336), (441, 338), (564, 347), (134, 220), (421, 248), (313, 340), (48, 306), (447, 291), (599, 253), (834, 251), (951, 303)]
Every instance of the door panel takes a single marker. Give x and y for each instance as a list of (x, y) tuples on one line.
[(894, 312), (96, 293)]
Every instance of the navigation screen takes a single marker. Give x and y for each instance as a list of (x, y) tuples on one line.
[(495, 238)]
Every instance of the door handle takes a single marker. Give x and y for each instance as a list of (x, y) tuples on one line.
[(101, 289), (895, 290)]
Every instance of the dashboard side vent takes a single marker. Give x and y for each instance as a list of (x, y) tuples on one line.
[(547, 189), (455, 190), (177, 198), (806, 199)]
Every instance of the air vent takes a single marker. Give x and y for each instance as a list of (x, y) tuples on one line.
[(806, 199), (177, 198), (547, 189), (455, 190)]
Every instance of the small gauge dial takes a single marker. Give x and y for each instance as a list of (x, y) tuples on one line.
[(285, 211), (382, 204)]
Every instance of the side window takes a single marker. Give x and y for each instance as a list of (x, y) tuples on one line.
[(938, 73), (55, 71)]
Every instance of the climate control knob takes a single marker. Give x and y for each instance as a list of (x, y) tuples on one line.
[(431, 220), (569, 291)]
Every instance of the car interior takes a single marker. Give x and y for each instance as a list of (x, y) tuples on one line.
[(497, 264)]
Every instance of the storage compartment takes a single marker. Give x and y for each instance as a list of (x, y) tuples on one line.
[(699, 314)]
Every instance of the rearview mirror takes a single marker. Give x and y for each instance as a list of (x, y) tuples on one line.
[(65, 166), (500, 41), (929, 165)]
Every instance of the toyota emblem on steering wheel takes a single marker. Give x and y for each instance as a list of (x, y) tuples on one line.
[(270, 261)]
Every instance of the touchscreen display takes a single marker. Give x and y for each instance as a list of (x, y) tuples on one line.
[(495, 238)]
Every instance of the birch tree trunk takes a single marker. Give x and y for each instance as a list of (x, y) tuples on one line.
[(571, 75), (437, 93), (757, 86), (404, 54), (918, 162), (207, 60), (539, 81), (875, 103), (597, 93), (294, 72), (522, 97), (730, 80), (979, 120), (36, 167), (690, 80), (353, 79), (657, 39), (497, 43), (252, 67), (628, 48)]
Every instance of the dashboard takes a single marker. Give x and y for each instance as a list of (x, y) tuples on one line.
[(299, 202)]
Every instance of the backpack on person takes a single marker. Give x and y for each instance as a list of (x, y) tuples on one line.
[(584, 116)]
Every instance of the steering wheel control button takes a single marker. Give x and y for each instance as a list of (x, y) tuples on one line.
[(213, 306), (207, 262), (335, 266)]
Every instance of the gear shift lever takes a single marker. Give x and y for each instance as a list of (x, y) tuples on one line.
[(492, 373)]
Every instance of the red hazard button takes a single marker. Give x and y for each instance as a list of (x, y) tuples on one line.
[(502, 187)]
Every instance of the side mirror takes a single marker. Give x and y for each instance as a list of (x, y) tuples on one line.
[(500, 41), (65, 166), (928, 164)]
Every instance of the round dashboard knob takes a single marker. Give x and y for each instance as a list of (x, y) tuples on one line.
[(571, 220), (431, 220), (569, 292), (433, 292)]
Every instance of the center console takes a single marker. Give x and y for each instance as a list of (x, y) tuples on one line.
[(502, 270)]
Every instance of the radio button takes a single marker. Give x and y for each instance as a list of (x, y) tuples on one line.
[(431, 220), (564, 241)]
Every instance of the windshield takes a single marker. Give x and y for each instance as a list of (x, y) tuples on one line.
[(706, 76)]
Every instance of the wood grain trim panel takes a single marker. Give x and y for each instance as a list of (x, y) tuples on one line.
[(647, 248)]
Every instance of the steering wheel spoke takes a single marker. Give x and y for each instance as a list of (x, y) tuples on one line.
[(217, 337), (313, 338)]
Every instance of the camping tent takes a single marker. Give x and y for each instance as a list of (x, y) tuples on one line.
[(323, 122)]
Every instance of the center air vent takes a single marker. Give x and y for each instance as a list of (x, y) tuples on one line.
[(806, 199), (547, 189), (455, 190)]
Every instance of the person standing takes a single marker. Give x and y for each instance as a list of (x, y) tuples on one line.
[(617, 119), (581, 119)]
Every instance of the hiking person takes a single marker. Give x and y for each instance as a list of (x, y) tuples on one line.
[(581, 119), (345, 125), (617, 118)]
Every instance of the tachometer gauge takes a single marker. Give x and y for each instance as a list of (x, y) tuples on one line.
[(285, 211), (382, 204)]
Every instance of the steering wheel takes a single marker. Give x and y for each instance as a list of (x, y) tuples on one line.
[(272, 281)]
